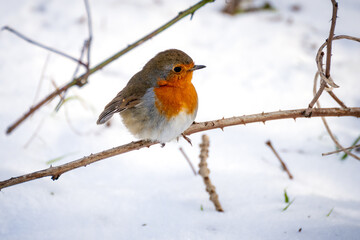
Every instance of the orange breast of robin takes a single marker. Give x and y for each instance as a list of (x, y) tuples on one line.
[(175, 95)]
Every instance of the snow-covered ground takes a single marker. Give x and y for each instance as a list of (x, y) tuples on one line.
[(255, 62)]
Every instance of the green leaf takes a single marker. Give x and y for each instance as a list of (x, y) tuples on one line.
[(286, 196), (201, 208), (288, 205), (331, 210)]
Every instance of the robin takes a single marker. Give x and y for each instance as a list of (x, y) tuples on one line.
[(159, 103)]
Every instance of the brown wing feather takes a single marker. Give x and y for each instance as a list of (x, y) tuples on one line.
[(130, 96), (118, 104)]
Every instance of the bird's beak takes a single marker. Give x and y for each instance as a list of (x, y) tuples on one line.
[(196, 67)]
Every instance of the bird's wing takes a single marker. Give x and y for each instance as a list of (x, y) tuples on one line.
[(118, 104)]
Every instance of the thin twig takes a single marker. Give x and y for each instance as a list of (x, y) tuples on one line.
[(22, 36), (79, 81), (188, 160), (86, 47), (338, 145), (341, 103), (42, 77), (35, 133), (326, 77), (205, 172), (89, 41), (281, 161), (340, 150), (55, 172), (330, 39), (319, 56), (61, 101), (319, 61)]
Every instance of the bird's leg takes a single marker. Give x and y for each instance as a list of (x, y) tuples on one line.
[(186, 138)]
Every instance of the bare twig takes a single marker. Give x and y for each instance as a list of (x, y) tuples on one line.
[(323, 84), (42, 45), (86, 47), (204, 172), (338, 145), (55, 172), (341, 103), (42, 77), (330, 39), (328, 128), (281, 161), (79, 81), (319, 57), (62, 95), (326, 78), (89, 41), (188, 160), (340, 150)]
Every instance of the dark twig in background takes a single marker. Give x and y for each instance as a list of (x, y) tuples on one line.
[(22, 36), (55, 172), (81, 80), (188, 160), (42, 76), (205, 172), (281, 161), (86, 48), (90, 29)]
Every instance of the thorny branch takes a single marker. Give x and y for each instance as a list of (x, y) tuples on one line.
[(205, 172), (81, 80), (326, 78), (55, 172), (319, 56)]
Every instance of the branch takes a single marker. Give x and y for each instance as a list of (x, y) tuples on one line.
[(338, 145), (278, 157), (80, 81), (204, 172), (330, 39), (55, 172), (319, 57), (341, 150)]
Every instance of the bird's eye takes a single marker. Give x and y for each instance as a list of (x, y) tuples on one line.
[(177, 69)]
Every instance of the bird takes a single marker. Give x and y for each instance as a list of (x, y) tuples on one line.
[(159, 102)]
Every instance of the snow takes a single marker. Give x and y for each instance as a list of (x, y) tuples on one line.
[(255, 62)]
